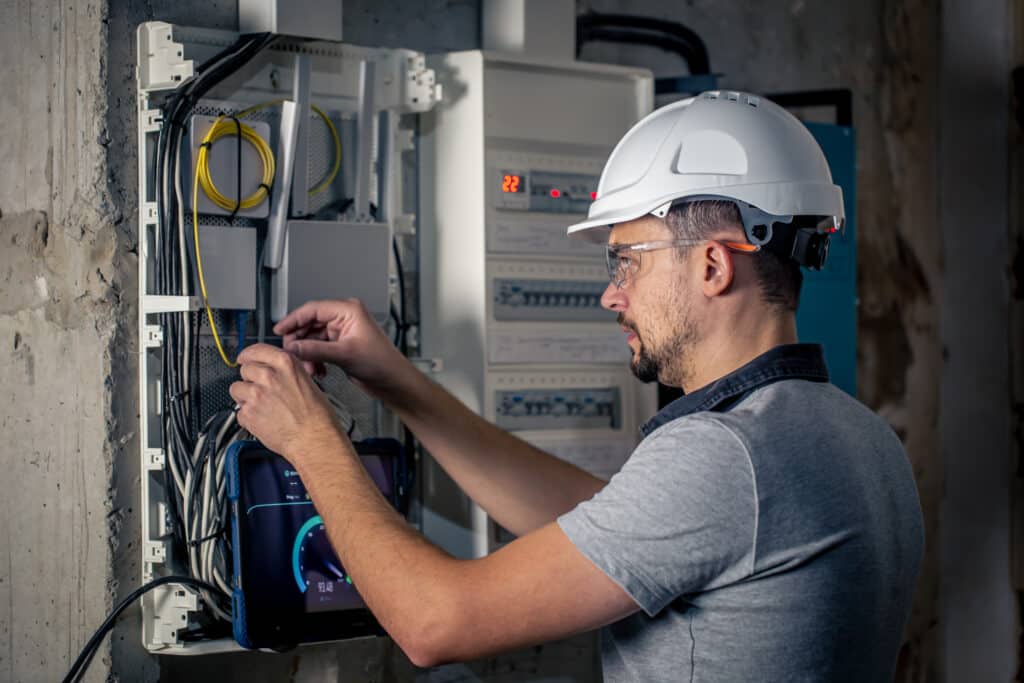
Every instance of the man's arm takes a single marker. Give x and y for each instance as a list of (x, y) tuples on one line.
[(437, 608), (518, 485)]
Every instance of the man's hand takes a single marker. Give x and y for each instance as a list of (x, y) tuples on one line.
[(344, 334), (278, 402)]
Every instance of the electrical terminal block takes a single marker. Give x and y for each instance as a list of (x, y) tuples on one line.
[(420, 90), (174, 605), (162, 63)]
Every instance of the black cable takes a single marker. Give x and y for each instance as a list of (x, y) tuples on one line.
[(687, 40), (397, 339), (238, 176), (637, 37), (403, 324), (81, 664)]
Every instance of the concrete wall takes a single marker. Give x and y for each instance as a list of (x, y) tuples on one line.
[(979, 611), (63, 292), (69, 520)]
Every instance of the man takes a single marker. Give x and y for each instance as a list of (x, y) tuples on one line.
[(766, 528)]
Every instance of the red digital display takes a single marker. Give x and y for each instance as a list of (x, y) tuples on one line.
[(512, 183)]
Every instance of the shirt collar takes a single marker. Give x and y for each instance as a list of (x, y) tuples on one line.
[(789, 361)]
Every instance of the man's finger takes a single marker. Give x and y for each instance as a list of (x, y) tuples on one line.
[(256, 373), (315, 351), (309, 313), (241, 392), (311, 332), (265, 354)]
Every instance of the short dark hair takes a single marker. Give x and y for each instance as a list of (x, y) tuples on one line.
[(779, 278)]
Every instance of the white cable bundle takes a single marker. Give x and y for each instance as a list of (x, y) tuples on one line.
[(206, 514)]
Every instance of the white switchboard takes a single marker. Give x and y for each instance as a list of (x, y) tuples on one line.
[(509, 302)]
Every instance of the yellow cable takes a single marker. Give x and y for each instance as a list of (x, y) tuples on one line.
[(219, 129), (199, 268), (326, 182)]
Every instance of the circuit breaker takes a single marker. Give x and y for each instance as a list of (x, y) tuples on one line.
[(511, 304)]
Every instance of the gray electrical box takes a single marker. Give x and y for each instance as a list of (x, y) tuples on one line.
[(333, 260), (317, 19), (229, 266)]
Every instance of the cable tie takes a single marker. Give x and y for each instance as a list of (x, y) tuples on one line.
[(265, 187), (208, 145), (199, 541), (180, 395)]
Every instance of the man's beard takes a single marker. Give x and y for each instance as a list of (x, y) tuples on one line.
[(669, 362)]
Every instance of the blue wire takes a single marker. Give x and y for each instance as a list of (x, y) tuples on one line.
[(241, 323)]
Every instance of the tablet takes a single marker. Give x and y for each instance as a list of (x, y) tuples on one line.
[(289, 585)]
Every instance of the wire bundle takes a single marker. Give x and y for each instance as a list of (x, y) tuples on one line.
[(180, 398), (206, 515)]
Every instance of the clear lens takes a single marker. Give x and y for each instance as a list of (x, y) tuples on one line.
[(620, 266)]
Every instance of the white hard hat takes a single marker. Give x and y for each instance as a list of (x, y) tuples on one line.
[(717, 145)]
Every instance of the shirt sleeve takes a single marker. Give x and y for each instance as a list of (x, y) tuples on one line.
[(679, 518)]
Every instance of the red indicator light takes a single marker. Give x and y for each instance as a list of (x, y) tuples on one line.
[(593, 195), (555, 193)]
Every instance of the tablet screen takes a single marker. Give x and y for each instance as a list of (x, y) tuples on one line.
[(292, 581)]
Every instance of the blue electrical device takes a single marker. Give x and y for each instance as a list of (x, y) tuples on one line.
[(828, 300), (289, 586)]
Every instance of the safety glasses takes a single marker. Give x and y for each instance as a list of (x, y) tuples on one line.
[(623, 260)]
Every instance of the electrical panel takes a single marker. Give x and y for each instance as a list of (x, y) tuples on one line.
[(512, 305), (280, 182)]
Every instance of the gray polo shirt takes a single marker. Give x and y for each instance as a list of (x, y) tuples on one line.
[(768, 527)]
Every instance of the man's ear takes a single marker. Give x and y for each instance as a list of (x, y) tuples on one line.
[(718, 267)]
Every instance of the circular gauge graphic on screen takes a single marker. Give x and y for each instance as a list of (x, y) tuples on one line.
[(318, 572)]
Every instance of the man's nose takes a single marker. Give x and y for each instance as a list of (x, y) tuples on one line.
[(613, 298)]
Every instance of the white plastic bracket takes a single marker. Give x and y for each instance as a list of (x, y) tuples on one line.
[(404, 224), (155, 551), (419, 90), (149, 212), (152, 120), (154, 337), (162, 63), (160, 303), (428, 365), (155, 459), (174, 603)]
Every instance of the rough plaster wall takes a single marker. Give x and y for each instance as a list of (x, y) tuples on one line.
[(60, 294), (978, 610), (885, 52)]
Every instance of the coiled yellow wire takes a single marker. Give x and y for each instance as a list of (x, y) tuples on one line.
[(225, 126)]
